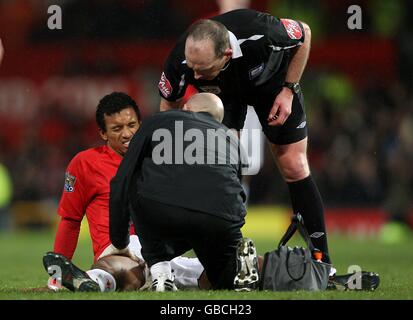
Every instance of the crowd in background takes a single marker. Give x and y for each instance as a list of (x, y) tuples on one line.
[(361, 137)]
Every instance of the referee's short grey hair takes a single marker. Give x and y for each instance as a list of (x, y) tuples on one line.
[(209, 29)]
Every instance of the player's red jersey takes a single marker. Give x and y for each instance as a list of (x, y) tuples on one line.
[(86, 191)]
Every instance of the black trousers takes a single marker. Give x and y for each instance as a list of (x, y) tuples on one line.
[(167, 231)]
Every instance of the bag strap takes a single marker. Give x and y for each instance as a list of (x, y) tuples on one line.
[(297, 222), (289, 233), (287, 266)]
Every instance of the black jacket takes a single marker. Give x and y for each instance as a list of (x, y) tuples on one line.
[(171, 159)]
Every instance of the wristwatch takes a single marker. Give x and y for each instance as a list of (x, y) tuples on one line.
[(293, 86)]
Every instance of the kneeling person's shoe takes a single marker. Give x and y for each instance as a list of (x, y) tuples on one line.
[(73, 278), (247, 276), (363, 280), (163, 283)]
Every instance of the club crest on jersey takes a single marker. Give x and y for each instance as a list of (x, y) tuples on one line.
[(69, 182), (165, 86), (211, 89), (293, 28)]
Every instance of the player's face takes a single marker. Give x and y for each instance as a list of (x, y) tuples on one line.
[(200, 57), (120, 128)]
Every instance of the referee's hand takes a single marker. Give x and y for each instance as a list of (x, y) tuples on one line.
[(281, 109)]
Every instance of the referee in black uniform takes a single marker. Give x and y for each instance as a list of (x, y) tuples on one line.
[(252, 58), (185, 192)]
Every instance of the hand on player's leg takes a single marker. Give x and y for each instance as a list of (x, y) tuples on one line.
[(112, 250)]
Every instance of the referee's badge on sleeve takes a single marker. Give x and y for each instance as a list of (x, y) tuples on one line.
[(165, 86), (69, 182), (293, 28)]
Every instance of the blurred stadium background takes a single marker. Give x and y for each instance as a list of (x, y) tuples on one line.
[(357, 86)]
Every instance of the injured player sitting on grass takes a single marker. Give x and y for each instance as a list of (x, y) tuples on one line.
[(86, 192)]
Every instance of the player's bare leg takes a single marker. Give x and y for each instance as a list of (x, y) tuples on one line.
[(128, 274), (203, 282), (119, 273)]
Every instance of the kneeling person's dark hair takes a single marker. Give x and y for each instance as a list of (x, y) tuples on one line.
[(114, 103)]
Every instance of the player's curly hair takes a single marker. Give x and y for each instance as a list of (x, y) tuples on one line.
[(210, 29), (114, 103)]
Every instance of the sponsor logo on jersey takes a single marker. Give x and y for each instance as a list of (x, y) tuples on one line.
[(256, 71), (165, 86), (211, 89), (293, 28), (69, 182)]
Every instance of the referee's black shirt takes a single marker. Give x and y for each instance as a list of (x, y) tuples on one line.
[(261, 47), (157, 169)]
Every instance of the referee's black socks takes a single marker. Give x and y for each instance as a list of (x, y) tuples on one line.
[(306, 200)]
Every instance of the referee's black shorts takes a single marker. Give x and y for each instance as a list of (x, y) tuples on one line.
[(293, 130), (166, 232)]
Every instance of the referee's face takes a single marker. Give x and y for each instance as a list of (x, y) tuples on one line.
[(120, 128), (200, 57)]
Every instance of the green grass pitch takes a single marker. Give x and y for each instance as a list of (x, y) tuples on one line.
[(21, 266)]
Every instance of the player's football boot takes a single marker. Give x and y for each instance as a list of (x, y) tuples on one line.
[(247, 266), (71, 277), (163, 283), (363, 280)]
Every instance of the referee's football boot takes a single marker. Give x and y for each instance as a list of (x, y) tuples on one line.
[(363, 280), (70, 276), (247, 266)]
